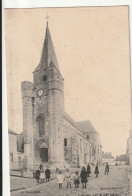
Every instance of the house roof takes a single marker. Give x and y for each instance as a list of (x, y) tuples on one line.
[(86, 127), (122, 157), (12, 132), (107, 156)]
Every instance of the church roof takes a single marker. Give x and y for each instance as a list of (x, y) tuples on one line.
[(107, 156), (48, 55), (83, 127), (12, 132), (86, 126), (70, 120)]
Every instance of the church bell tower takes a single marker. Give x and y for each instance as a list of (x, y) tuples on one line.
[(43, 108)]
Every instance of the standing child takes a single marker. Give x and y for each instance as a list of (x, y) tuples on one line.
[(47, 174), (42, 175), (76, 179), (68, 178), (60, 179), (84, 177)]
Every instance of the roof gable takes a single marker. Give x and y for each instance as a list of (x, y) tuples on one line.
[(122, 157), (107, 156), (12, 132)]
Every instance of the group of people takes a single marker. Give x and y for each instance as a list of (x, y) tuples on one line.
[(61, 177), (83, 177), (41, 175)]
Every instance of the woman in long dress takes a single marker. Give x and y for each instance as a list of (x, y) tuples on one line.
[(96, 171), (88, 170)]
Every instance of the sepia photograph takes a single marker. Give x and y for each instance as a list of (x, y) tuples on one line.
[(68, 75)]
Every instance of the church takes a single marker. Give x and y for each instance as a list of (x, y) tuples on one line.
[(49, 134)]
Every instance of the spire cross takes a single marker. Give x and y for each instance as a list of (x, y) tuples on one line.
[(47, 18)]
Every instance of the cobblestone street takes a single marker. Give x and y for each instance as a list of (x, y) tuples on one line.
[(115, 183)]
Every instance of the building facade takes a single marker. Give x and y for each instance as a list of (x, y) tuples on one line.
[(121, 160), (108, 158), (50, 135), (129, 151), (15, 156)]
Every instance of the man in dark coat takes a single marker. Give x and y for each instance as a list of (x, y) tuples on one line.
[(88, 170), (37, 175), (47, 174), (107, 169), (83, 177)]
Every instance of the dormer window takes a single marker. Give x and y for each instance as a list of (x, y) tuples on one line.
[(44, 78)]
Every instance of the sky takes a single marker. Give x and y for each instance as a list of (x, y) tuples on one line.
[(92, 48)]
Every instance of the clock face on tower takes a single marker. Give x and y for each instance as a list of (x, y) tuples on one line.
[(40, 92)]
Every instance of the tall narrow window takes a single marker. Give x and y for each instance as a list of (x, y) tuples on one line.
[(80, 144), (11, 157), (41, 125), (65, 142), (19, 161), (86, 146)]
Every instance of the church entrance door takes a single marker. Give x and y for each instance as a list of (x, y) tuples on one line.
[(44, 154)]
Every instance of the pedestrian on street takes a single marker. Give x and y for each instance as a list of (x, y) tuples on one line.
[(106, 169), (60, 179), (37, 175), (83, 177), (96, 171), (88, 170), (41, 166), (68, 178), (47, 174), (76, 179), (42, 174)]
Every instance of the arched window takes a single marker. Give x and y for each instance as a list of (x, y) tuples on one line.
[(41, 125)]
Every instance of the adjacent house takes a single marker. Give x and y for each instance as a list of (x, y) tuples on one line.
[(121, 160), (108, 157), (16, 157)]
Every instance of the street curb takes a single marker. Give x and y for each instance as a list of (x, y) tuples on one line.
[(30, 186), (22, 176)]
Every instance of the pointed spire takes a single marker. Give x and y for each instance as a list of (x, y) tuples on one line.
[(48, 53)]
